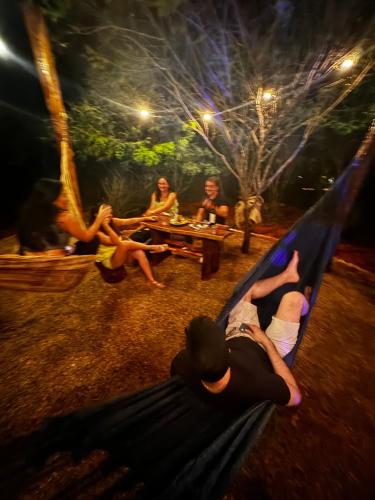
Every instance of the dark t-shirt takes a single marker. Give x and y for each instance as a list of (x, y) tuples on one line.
[(252, 377), (218, 201)]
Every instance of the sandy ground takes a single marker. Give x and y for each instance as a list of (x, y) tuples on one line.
[(59, 352)]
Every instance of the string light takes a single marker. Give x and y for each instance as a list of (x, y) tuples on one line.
[(144, 114), (347, 64), (267, 95)]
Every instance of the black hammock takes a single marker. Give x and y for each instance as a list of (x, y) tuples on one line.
[(174, 444)]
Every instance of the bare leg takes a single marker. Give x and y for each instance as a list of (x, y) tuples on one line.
[(264, 287), (290, 307), (144, 264), (119, 257)]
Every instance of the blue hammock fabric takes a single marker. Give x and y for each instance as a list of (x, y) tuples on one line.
[(176, 445)]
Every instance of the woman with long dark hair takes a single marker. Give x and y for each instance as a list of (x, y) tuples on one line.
[(163, 199), (46, 224)]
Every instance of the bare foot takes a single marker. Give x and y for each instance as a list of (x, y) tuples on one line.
[(157, 284), (159, 248), (291, 272)]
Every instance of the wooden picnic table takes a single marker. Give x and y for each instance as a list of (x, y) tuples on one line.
[(211, 236)]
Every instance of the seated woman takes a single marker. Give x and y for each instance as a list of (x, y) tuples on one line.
[(113, 252), (163, 199), (45, 224)]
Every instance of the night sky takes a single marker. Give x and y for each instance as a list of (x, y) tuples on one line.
[(23, 114)]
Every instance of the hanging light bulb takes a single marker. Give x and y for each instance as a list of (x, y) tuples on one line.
[(144, 114), (267, 95), (347, 64)]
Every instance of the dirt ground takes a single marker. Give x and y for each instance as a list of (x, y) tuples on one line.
[(60, 352)]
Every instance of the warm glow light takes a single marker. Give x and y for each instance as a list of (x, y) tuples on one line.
[(207, 117), (144, 114), (347, 64), (267, 95), (4, 51)]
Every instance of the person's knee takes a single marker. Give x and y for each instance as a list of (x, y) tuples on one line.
[(122, 248), (138, 254), (252, 292), (294, 300)]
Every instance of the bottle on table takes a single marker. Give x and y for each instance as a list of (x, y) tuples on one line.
[(212, 216)]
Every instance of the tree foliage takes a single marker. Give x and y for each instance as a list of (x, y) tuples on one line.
[(123, 147), (224, 60), (55, 10), (268, 75)]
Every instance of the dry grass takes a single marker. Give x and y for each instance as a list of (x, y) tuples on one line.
[(59, 352)]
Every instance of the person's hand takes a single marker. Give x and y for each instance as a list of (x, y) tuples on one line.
[(208, 203), (257, 334), (150, 218), (105, 213)]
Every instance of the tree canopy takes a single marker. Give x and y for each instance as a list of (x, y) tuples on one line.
[(253, 81)]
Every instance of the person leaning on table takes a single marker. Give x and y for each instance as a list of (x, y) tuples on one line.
[(163, 199), (213, 202)]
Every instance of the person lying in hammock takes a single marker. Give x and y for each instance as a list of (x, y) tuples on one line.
[(244, 365), (113, 252)]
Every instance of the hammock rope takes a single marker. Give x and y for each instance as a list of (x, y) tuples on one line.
[(46, 68), (42, 273)]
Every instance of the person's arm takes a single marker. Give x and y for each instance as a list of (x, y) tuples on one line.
[(129, 222), (200, 214), (222, 210), (278, 364), (113, 236), (104, 239), (69, 224), (164, 208)]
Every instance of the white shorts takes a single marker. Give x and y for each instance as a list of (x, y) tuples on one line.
[(282, 333)]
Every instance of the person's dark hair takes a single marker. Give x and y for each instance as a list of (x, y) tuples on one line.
[(94, 212), (207, 349), (37, 222), (213, 179), (158, 192)]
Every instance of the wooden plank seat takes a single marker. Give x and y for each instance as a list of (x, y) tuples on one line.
[(183, 249)]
